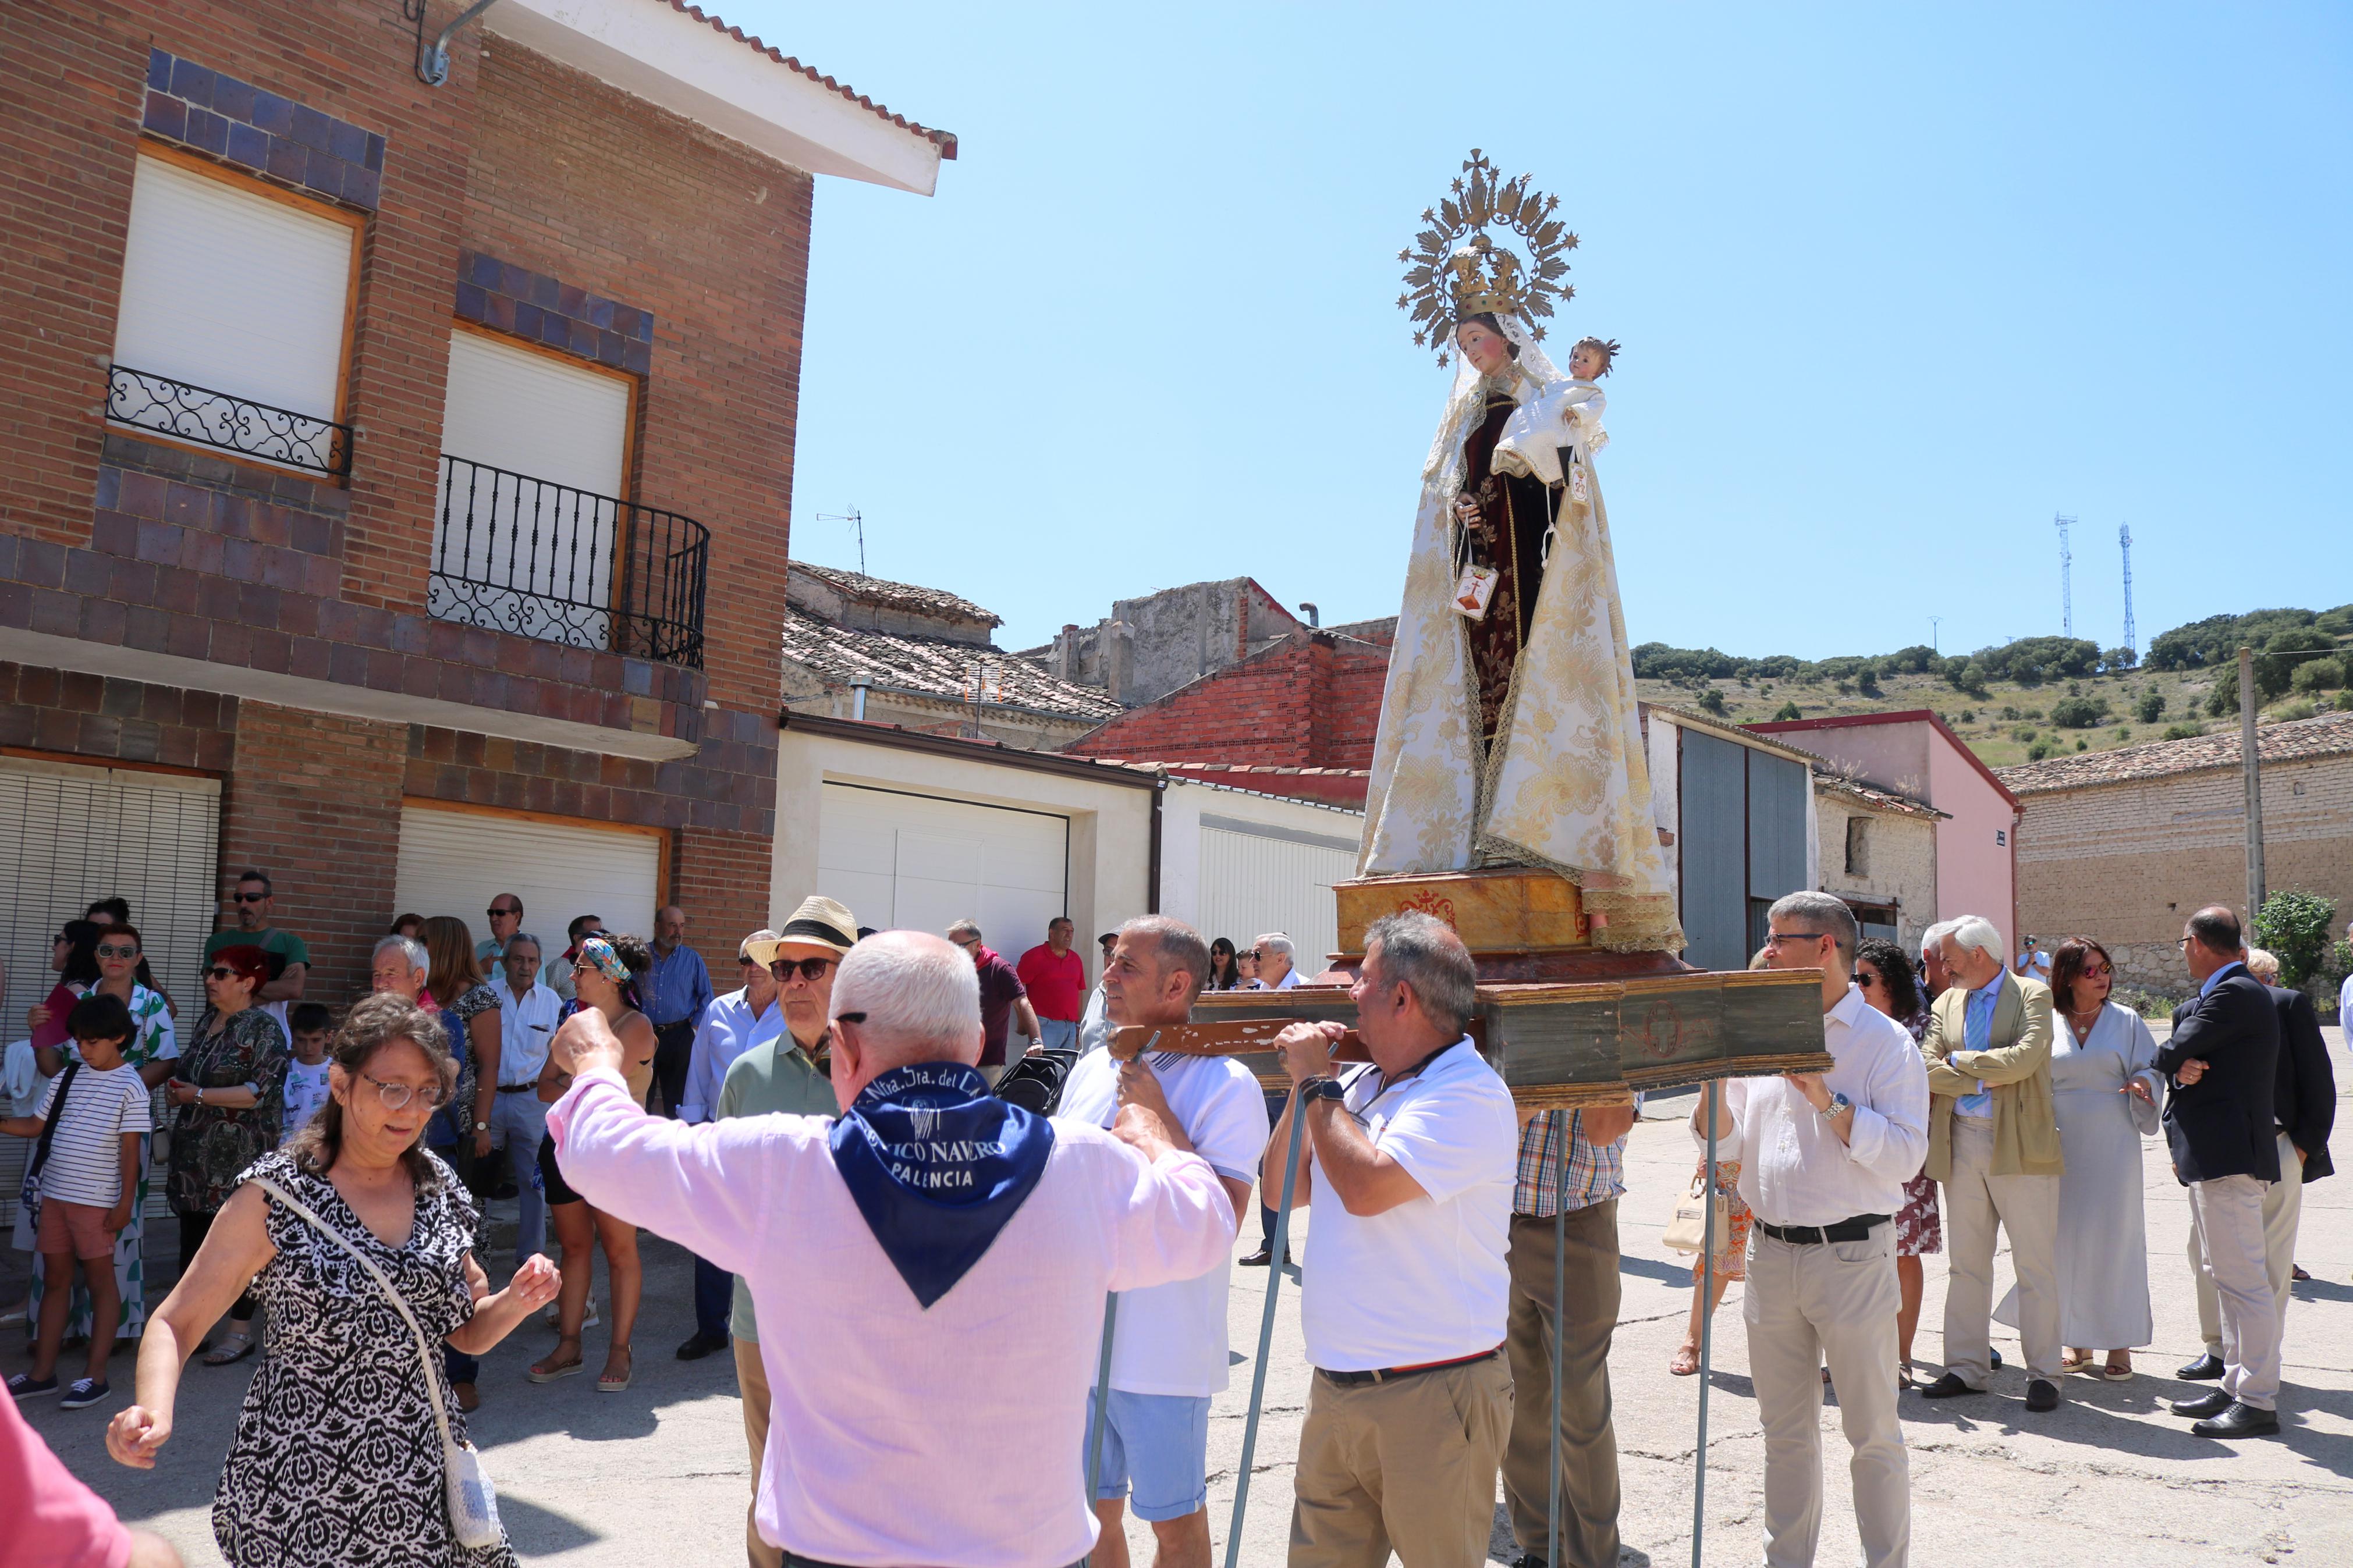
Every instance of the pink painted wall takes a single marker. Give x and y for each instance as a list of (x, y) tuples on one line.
[(1976, 862)]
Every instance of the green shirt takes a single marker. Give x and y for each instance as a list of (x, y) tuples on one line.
[(270, 940), (775, 1076)]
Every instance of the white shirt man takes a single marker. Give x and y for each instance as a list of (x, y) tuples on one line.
[(1408, 1166), (1168, 1345), (1277, 970), (2033, 964), (733, 1024), (1823, 1160), (527, 1021)]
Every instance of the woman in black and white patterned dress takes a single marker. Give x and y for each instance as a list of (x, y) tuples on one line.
[(337, 1459)]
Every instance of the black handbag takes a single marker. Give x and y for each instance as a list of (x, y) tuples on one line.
[(1035, 1082), (28, 1196)]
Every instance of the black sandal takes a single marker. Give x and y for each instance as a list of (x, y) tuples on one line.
[(233, 1349)]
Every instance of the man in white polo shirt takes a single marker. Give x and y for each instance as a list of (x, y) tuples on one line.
[(1168, 1344), (1408, 1291), (1273, 954)]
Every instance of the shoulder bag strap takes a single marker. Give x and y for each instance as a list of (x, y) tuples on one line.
[(424, 1344), (50, 1127)]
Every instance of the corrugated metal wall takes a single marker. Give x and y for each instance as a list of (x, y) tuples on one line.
[(1713, 793), (1779, 803), (1252, 883)]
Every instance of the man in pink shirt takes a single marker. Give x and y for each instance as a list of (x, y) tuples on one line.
[(1056, 979), (941, 1255), (48, 1518)]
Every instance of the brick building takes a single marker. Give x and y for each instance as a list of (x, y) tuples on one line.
[(2126, 845), (1311, 699), (397, 474), (1877, 850)]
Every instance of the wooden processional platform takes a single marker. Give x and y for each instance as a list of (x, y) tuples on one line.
[(1566, 1024)]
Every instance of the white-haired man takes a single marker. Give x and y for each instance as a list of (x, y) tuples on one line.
[(1409, 1162), (900, 1242), (1168, 1349), (1823, 1158), (1934, 981), (1993, 1141)]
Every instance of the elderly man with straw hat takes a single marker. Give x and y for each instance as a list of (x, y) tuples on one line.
[(785, 1069)]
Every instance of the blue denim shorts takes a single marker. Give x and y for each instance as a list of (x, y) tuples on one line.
[(1157, 1449)]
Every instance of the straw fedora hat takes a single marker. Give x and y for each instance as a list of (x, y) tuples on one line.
[(819, 922)]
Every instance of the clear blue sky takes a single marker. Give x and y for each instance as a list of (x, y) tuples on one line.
[(1895, 283)]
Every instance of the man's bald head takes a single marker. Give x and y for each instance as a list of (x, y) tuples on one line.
[(901, 996)]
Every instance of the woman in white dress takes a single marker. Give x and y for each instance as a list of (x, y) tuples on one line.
[(2103, 1089)]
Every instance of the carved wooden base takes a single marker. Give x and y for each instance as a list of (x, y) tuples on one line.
[(1567, 1024)]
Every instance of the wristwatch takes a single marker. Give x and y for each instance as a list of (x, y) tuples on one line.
[(1322, 1089), (481, 1127), (1839, 1103)]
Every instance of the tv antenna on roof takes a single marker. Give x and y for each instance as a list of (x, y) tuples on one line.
[(852, 518), (2132, 639)]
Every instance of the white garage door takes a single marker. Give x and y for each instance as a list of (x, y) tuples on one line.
[(914, 862), (72, 835), (1256, 877), (456, 862)]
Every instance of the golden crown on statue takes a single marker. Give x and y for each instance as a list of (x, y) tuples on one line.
[(1455, 269)]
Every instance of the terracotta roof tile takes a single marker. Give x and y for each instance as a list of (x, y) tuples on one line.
[(907, 596), (1871, 794), (2324, 735), (945, 141), (932, 666)]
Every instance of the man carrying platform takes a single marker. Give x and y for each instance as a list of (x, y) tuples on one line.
[(1168, 1342), (1405, 1301), (905, 1243)]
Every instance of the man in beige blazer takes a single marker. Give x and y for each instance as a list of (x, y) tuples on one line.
[(1993, 1141)]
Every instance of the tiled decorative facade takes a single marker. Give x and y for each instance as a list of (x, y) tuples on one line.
[(543, 310), (259, 130)]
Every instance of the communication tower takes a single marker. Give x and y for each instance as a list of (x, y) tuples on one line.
[(2066, 568), (2132, 639)]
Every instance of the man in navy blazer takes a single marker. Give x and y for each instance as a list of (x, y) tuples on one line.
[(2306, 1110), (2221, 1123)]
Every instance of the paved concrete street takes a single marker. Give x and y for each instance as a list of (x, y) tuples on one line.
[(591, 1480)]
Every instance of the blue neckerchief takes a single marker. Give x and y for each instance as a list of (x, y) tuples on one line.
[(937, 1166)]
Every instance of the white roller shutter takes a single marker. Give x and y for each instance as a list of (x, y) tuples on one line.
[(912, 862), (1258, 879), (544, 531), (226, 288), (73, 835), (456, 862)]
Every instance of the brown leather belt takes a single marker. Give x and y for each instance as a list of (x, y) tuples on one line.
[(1384, 1373)]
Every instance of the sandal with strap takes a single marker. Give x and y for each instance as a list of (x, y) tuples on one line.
[(606, 1384), (235, 1347), (1685, 1361), (547, 1369)]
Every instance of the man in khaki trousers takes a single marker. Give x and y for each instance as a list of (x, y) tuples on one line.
[(1993, 1141)]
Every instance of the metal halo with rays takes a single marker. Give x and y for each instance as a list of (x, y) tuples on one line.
[(1454, 261)]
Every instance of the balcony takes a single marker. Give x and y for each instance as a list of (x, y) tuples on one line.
[(514, 553), (143, 400)]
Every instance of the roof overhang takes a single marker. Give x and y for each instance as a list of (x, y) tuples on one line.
[(682, 61)]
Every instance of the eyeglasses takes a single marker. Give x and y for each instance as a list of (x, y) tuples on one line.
[(1779, 937), (396, 1096), (811, 969), (253, 898), (109, 951)]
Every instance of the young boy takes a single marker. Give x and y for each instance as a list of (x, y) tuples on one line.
[(88, 1180), (306, 1075)]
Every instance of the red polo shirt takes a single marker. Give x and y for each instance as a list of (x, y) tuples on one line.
[(1057, 987)]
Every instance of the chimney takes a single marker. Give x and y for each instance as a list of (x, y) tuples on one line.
[(1119, 659), (1314, 616), (1066, 656)]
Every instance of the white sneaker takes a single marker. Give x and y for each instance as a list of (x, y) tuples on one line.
[(554, 1316)]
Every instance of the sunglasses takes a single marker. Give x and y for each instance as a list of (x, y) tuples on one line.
[(501, 914), (811, 969), (220, 971), (253, 898), (109, 951)]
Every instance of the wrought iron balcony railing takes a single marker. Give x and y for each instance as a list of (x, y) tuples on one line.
[(146, 401), (518, 554)]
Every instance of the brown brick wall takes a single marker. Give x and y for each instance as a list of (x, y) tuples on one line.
[(1307, 701), (314, 801), (2128, 863), (104, 719), (620, 199)]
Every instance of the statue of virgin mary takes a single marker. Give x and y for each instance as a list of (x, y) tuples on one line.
[(1509, 732)]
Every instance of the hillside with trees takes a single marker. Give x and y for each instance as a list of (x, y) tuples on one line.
[(2031, 697)]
